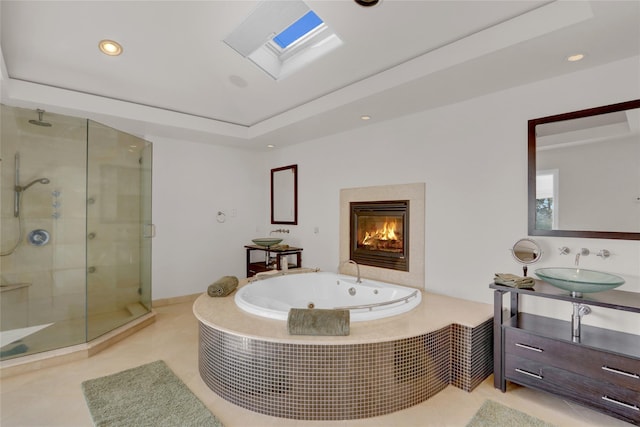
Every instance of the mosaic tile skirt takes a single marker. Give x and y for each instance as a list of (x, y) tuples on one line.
[(336, 382)]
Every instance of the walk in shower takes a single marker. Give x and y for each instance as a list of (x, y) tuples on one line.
[(75, 229)]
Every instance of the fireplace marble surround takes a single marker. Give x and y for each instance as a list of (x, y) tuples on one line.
[(415, 193)]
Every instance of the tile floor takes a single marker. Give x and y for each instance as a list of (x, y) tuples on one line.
[(53, 397)]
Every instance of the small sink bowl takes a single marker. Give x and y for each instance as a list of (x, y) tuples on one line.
[(578, 280), (266, 241)]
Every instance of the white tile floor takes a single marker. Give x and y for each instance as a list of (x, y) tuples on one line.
[(53, 396)]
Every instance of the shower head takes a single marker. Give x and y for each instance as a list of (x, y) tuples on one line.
[(35, 181), (39, 122)]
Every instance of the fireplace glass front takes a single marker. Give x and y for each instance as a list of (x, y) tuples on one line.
[(379, 234)]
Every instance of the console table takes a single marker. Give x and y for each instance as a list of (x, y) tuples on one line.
[(254, 267), (600, 369)]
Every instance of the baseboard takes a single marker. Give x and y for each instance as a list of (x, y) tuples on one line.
[(174, 300)]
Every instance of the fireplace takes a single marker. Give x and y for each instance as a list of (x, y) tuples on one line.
[(379, 234)]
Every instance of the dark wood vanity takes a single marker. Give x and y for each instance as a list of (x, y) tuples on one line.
[(600, 369), (254, 267)]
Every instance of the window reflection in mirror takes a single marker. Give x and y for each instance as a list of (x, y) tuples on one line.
[(284, 195), (584, 170), (547, 199)]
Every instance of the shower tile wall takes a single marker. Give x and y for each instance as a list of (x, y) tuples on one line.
[(55, 271)]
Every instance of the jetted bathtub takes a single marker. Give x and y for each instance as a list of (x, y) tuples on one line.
[(273, 297)]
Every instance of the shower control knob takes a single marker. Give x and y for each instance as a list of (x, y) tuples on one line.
[(91, 236), (91, 269)]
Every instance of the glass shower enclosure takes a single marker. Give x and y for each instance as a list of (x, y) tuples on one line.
[(75, 230)]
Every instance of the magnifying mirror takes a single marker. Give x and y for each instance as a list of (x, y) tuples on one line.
[(526, 251)]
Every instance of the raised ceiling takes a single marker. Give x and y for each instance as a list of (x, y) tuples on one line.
[(178, 78)]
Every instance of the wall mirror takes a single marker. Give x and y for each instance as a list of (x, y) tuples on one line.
[(284, 195), (584, 173)]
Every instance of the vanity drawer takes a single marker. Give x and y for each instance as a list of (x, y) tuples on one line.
[(608, 397), (601, 365)]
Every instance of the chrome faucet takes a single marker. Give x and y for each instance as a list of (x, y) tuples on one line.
[(358, 280), (279, 230), (579, 310), (583, 252)]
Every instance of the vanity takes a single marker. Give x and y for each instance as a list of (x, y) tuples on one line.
[(599, 369), (266, 263)]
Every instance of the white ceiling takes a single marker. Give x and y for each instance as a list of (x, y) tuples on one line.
[(177, 78)]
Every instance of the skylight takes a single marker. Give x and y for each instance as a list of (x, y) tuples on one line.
[(298, 29), (282, 37)]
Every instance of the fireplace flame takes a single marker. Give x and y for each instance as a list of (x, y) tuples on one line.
[(387, 232)]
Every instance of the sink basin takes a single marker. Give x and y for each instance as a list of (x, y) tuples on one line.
[(578, 280), (266, 241)]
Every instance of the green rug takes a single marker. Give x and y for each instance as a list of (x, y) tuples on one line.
[(493, 414), (149, 395)]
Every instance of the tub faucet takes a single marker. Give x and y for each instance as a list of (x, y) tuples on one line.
[(358, 280)]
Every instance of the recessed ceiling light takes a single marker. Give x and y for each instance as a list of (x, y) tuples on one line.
[(576, 57), (365, 117), (110, 47), (270, 146), (367, 3)]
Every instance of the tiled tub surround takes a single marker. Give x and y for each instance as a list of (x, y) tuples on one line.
[(382, 366)]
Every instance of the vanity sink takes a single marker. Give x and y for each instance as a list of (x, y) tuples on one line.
[(266, 241), (578, 280)]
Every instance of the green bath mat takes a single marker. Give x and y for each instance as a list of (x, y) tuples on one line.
[(149, 395), (493, 414)]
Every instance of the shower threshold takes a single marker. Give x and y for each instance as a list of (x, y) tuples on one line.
[(36, 361), (8, 337)]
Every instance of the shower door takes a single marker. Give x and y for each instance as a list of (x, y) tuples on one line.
[(118, 221), (75, 228)]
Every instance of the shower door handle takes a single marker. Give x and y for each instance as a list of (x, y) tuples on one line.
[(149, 231)]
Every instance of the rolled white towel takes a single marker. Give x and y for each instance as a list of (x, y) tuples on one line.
[(223, 286)]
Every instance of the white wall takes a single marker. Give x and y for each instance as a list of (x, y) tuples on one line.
[(191, 183), (609, 168), (471, 155), (473, 158)]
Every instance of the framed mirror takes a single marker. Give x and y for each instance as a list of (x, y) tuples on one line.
[(284, 195), (584, 173)]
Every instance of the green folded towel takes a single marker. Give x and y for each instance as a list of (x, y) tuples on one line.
[(223, 286), (514, 281), (318, 321)]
